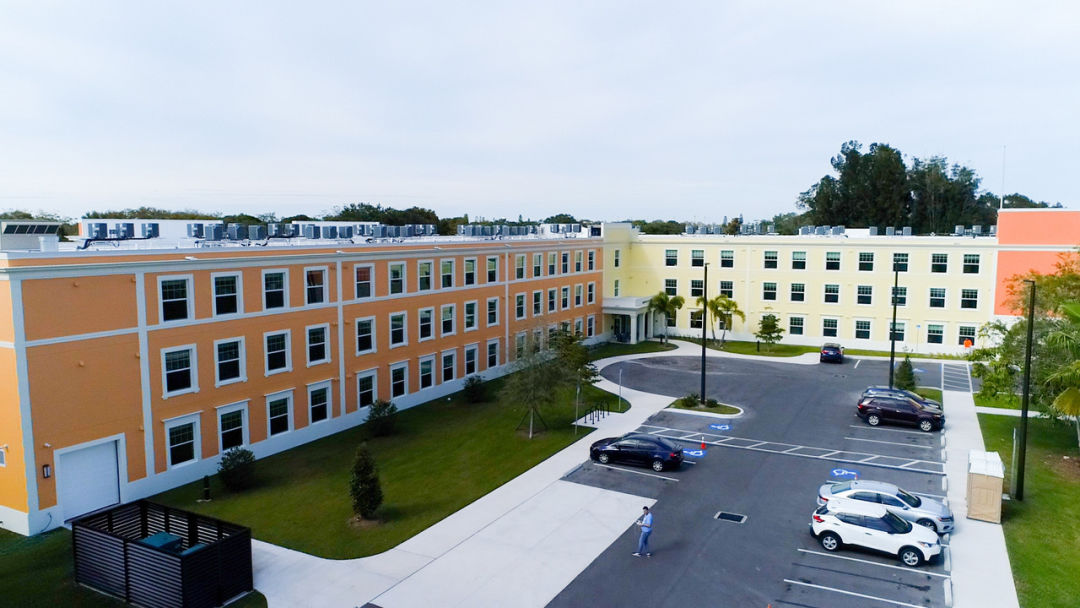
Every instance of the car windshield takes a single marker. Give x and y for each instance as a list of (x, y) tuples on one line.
[(896, 523), (843, 486), (914, 501)]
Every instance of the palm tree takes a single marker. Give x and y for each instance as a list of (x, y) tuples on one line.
[(726, 308), (714, 311), (666, 305), (1067, 338)]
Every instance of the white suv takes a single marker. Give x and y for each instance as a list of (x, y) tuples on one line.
[(854, 522)]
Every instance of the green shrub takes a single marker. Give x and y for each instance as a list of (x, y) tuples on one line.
[(382, 417), (237, 468), (364, 486), (475, 390), (905, 375)]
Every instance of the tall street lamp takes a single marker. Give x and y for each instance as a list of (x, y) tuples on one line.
[(892, 328), (1027, 392), (704, 325)]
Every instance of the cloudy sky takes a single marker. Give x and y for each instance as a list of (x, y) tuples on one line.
[(606, 110)]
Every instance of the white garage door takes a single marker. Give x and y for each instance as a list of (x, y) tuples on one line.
[(88, 479)]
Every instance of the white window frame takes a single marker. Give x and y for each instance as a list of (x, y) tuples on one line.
[(284, 272), (403, 365), (836, 323), (218, 382), (591, 257), (615, 260), (371, 282), (326, 345), (314, 386), (242, 407), (552, 299), (465, 271), (520, 311), (963, 299), (538, 265), (288, 352), (452, 352), (442, 275), (487, 312), (519, 266), (564, 262), (390, 266), (487, 353), (374, 375), (194, 371), (579, 326), (616, 288), (239, 276), (428, 360), (488, 271), (190, 298), (538, 302), (869, 295), (801, 325), (825, 293), (855, 329), (196, 453), (579, 260), (404, 329), (288, 395), (325, 270), (419, 324), (552, 263), (356, 335), (564, 297), (431, 275), (579, 295), (590, 326), (453, 320), (590, 293), (475, 315), (473, 348)]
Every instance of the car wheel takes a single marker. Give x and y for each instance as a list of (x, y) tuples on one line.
[(926, 426), (927, 523), (910, 556), (873, 420), (604, 458), (658, 465), (830, 541)]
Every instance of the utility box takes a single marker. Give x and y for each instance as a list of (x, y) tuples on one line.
[(986, 475)]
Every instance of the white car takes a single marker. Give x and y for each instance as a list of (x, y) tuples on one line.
[(843, 521), (921, 509)]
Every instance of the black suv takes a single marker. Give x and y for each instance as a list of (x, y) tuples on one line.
[(876, 409)]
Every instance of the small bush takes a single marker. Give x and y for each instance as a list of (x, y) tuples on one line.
[(237, 468), (364, 486), (905, 375), (475, 390), (382, 417)]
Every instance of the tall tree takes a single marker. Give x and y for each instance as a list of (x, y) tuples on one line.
[(769, 330), (868, 190), (727, 309), (666, 305), (536, 381)]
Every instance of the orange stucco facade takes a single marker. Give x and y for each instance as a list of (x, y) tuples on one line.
[(1031, 240)]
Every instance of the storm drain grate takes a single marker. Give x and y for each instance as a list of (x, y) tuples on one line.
[(732, 517)]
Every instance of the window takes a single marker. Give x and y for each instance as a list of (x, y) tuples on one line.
[(519, 267), (565, 297), (866, 261), (900, 262), (315, 282), (492, 354), (366, 388), (670, 320), (446, 273), (449, 366), (183, 438), (832, 293), (470, 271), (727, 288), (492, 270), (697, 288), (616, 288), (423, 276), (519, 306), (828, 328), (427, 373), (275, 292), (798, 292), (579, 257), (695, 319), (798, 260), (770, 259), (398, 333), (671, 257), (564, 267), (937, 297), (492, 311), (727, 258), (616, 258), (935, 334), (538, 264), (538, 303), (399, 380), (365, 335), (519, 345), (862, 330), (966, 334), (426, 326), (279, 413), (592, 259), (795, 326), (316, 344), (832, 260), (578, 294), (226, 294), (397, 278), (552, 299), (175, 304), (897, 331), (448, 314), (229, 361), (363, 281), (577, 326), (232, 426), (864, 294), (671, 287), (899, 296), (277, 352), (590, 326), (768, 291), (470, 359), (318, 402), (697, 257), (939, 262), (969, 298), (590, 293), (470, 316), (551, 263), (180, 371), (971, 263)]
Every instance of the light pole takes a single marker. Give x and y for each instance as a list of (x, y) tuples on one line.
[(1027, 392), (892, 328), (704, 318)]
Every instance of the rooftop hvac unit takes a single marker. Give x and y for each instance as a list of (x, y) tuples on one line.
[(821, 230), (312, 231), (534, 229), (993, 230), (257, 233), (329, 232), (431, 229), (873, 230), (393, 231), (838, 230), (907, 230), (689, 229), (976, 229), (151, 230), (575, 228), (345, 232), (958, 230), (554, 228), (99, 230), (408, 230), (500, 230), (215, 232), (378, 231), (804, 230), (890, 231), (237, 232), (466, 230), (194, 231), (125, 230), (274, 229)]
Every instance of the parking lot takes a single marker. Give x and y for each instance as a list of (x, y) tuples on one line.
[(798, 431)]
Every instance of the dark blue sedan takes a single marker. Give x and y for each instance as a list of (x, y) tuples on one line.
[(643, 450), (832, 352)]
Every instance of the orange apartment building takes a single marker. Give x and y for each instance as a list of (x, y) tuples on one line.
[(126, 371)]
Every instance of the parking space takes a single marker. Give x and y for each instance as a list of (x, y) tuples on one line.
[(767, 465)]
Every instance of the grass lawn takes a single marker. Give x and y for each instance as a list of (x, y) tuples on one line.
[(38, 571), (930, 393), (1000, 400), (614, 349), (444, 455), (1042, 531), (722, 408)]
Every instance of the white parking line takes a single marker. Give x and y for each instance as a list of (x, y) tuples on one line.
[(852, 593), (907, 445), (876, 429), (608, 466), (866, 561), (798, 447), (857, 362)]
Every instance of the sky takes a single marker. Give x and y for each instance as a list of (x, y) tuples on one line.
[(606, 110)]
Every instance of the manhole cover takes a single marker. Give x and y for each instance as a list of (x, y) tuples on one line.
[(732, 517)]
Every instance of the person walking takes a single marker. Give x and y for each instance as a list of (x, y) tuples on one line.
[(645, 523)]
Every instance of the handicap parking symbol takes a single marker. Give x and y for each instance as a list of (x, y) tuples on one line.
[(844, 474), (720, 427), (697, 453)]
